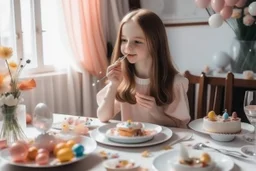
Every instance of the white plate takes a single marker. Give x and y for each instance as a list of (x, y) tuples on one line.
[(91, 125), (88, 143), (107, 129), (248, 150), (161, 137), (164, 161), (197, 125)]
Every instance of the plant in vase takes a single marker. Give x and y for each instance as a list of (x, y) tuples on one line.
[(10, 91), (240, 15)]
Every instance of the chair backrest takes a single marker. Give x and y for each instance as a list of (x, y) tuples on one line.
[(217, 86)]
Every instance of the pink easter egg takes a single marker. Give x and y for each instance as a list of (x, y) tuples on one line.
[(231, 2), (241, 3), (42, 158), (43, 150), (226, 12), (18, 152), (202, 3), (217, 5)]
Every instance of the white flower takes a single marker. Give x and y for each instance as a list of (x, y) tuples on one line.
[(10, 100)]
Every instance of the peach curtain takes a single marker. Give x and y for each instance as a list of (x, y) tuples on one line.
[(85, 31)]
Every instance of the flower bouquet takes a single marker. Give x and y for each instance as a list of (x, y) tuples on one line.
[(240, 15), (10, 91)]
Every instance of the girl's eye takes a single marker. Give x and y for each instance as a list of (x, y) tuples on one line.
[(123, 40), (138, 42)]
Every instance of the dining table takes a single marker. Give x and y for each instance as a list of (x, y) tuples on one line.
[(94, 161)]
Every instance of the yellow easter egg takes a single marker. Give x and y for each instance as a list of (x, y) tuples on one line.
[(58, 147), (205, 158), (211, 115), (70, 143), (65, 154)]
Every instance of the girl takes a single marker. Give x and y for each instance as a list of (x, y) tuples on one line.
[(145, 86)]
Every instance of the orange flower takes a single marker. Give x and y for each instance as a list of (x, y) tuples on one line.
[(5, 52), (13, 65), (27, 84)]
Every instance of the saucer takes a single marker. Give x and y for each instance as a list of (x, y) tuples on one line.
[(165, 161), (110, 132), (197, 125)]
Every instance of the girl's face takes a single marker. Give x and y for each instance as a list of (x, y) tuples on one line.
[(133, 43)]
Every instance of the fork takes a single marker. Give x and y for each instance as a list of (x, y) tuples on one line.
[(120, 59), (200, 146)]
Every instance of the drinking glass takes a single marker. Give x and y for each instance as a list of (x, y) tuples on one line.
[(250, 111)]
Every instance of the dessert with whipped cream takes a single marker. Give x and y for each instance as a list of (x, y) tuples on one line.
[(202, 162), (222, 124), (129, 129)]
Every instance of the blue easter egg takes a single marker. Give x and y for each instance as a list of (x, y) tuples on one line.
[(78, 149), (225, 116)]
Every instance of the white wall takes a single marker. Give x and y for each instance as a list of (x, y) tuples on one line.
[(192, 47)]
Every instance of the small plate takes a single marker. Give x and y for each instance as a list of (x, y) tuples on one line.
[(248, 150), (111, 163), (197, 125), (163, 136), (93, 123), (88, 143), (109, 128), (165, 161)]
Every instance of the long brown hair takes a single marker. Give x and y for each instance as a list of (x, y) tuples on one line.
[(162, 73)]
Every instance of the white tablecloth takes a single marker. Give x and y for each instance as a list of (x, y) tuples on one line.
[(94, 162)]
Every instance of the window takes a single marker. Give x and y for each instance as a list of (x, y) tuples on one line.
[(32, 28)]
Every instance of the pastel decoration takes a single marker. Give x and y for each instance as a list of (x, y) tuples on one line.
[(225, 116), (234, 115), (42, 159), (202, 3), (78, 150), (215, 20), (231, 2), (241, 3), (221, 59), (205, 158), (252, 8), (18, 152), (217, 5), (212, 115), (226, 12), (65, 154)]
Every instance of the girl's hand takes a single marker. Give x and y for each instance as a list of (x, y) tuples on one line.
[(148, 102), (114, 73)]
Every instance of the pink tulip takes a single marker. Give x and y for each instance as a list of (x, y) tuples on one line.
[(217, 5), (226, 12), (202, 3), (248, 20), (241, 3), (231, 2)]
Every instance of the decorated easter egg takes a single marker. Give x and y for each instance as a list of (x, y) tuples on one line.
[(42, 118), (211, 115), (234, 115), (78, 150), (42, 158), (18, 152), (32, 153), (65, 154), (225, 116), (205, 158)]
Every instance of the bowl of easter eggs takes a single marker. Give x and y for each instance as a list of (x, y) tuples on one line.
[(56, 153)]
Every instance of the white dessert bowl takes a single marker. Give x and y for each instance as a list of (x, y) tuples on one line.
[(110, 165)]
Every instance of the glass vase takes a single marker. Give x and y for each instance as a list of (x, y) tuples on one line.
[(11, 129), (243, 54)]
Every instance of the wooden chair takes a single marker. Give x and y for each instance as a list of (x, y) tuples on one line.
[(217, 85)]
